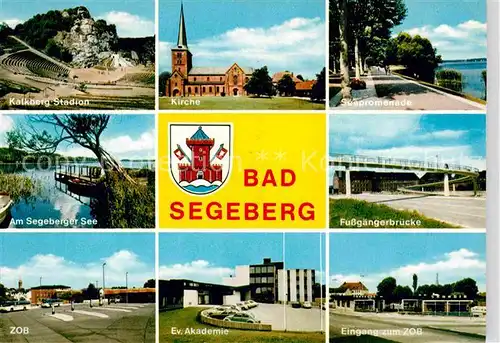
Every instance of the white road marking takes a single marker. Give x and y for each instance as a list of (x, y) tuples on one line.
[(88, 313), (63, 317)]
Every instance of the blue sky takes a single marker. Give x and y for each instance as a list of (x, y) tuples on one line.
[(75, 259), (282, 35), (127, 136), (370, 257), (210, 256), (458, 138), (456, 28), (133, 18)]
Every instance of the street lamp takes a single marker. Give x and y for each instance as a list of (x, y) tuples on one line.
[(103, 284), (40, 281), (126, 284)]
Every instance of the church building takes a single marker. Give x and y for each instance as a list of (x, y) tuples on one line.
[(187, 80)]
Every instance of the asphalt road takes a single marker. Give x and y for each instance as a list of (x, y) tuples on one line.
[(397, 331), (461, 211), (120, 323), (290, 319)]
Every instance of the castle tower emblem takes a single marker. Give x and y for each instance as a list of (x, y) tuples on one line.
[(199, 161)]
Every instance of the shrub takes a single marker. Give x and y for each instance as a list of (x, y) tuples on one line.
[(123, 204), (82, 87), (357, 84), (451, 79)]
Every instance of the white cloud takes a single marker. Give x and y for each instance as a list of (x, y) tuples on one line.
[(297, 45), (473, 25), (57, 270), (129, 25), (6, 123), (402, 137), (465, 40), (12, 22), (199, 270), (122, 147), (447, 134), (451, 267)]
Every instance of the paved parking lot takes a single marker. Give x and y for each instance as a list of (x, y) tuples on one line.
[(122, 323), (284, 317), (409, 329)]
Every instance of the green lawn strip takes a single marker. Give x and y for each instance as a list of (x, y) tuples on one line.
[(362, 210), (186, 319), (243, 103), (360, 339)]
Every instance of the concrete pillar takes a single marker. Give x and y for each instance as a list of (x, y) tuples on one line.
[(347, 181), (446, 185), (454, 188)]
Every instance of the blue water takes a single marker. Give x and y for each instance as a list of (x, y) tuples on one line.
[(471, 76), (200, 189), (54, 201)]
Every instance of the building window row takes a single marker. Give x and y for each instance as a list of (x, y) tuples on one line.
[(261, 269)]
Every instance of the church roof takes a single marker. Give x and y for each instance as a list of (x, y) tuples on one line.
[(216, 70), (200, 134), (305, 85), (279, 75), (182, 38)]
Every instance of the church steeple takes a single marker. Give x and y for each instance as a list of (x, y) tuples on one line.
[(182, 38)]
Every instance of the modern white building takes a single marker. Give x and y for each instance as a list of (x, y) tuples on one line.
[(295, 285)]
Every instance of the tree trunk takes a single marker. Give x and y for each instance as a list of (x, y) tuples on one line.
[(344, 51), (109, 163), (356, 58)]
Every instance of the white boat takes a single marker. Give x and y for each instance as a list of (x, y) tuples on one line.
[(5, 205)]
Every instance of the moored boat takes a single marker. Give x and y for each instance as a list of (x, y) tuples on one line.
[(5, 205)]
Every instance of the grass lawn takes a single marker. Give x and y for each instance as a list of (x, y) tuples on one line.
[(186, 319), (360, 339), (243, 103), (350, 208)]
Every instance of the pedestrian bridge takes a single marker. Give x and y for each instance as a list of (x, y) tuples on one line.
[(463, 173)]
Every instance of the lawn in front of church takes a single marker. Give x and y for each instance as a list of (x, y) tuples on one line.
[(239, 103)]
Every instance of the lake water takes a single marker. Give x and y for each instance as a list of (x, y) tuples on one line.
[(54, 201), (471, 76)]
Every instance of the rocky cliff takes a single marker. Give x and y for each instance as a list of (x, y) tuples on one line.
[(73, 36), (88, 42)]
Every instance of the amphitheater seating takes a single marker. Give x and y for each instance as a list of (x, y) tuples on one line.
[(28, 63), (138, 78)]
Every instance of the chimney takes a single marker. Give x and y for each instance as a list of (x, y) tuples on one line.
[(267, 260)]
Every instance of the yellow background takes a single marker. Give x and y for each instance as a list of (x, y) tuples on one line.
[(294, 134)]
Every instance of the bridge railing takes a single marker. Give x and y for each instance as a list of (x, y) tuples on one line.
[(359, 160)]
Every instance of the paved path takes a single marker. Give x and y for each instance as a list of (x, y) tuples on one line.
[(466, 212), (397, 93), (404, 332)]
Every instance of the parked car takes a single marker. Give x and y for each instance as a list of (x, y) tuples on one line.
[(296, 305), (48, 303), (243, 317), (243, 306), (306, 304), (251, 303), (221, 312), (478, 311)]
